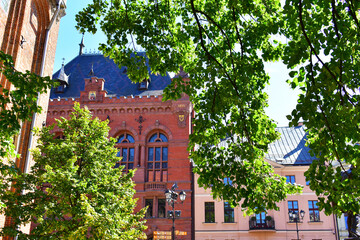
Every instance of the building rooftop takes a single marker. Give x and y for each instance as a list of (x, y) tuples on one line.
[(290, 148), (117, 82)]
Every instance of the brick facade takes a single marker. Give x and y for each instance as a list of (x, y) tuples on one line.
[(23, 27), (141, 117)]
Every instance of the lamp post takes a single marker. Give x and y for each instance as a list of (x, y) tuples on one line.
[(171, 197), (295, 216)]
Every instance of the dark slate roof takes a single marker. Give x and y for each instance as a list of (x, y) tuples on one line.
[(117, 82), (290, 148)]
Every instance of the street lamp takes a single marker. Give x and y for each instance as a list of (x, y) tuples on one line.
[(171, 197), (295, 216)]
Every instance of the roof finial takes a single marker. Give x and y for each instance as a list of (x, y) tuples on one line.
[(81, 45), (91, 73), (62, 77), (63, 63)]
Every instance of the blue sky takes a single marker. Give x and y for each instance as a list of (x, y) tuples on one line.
[(282, 99)]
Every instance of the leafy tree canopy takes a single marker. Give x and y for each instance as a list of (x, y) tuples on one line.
[(73, 190), (222, 45)]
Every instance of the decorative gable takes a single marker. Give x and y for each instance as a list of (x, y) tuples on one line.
[(94, 90)]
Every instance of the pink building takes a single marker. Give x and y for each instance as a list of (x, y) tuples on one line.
[(215, 219)]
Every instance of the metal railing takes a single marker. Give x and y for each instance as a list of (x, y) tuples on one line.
[(256, 225)]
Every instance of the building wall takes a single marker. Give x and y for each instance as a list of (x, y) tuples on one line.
[(324, 229), (171, 118), (28, 20)]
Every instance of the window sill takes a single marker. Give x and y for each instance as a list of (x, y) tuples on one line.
[(229, 222), (209, 222), (315, 222), (293, 223)]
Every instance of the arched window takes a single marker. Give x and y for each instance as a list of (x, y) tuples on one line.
[(157, 158), (125, 144)]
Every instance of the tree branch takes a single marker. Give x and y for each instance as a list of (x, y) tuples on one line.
[(327, 124), (352, 13), (309, 42), (334, 13), (317, 56), (202, 43), (238, 33)]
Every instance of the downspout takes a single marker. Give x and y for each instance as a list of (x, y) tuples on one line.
[(47, 32), (337, 233)]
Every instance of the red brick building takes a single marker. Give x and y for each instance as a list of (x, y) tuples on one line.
[(29, 32), (152, 134)]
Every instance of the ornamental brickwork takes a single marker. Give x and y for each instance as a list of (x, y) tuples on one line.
[(152, 137)]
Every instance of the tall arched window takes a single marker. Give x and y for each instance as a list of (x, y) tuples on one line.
[(125, 144), (157, 158)]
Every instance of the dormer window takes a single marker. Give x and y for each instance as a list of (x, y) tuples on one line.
[(60, 88), (144, 85)]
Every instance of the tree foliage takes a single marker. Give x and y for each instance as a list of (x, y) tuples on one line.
[(325, 50), (222, 45), (73, 190), (17, 103)]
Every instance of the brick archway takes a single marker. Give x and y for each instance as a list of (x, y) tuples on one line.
[(40, 10), (153, 128), (117, 131)]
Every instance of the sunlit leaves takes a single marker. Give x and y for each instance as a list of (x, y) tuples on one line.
[(17, 103), (73, 190), (223, 45), (324, 47)]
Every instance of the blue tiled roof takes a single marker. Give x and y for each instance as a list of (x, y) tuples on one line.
[(116, 80), (290, 148)]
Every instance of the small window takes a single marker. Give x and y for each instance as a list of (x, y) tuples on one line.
[(161, 208), (314, 211), (144, 85), (126, 138), (158, 137), (60, 89), (227, 181), (228, 213), (290, 179), (92, 95), (293, 206), (209, 212), (149, 211)]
